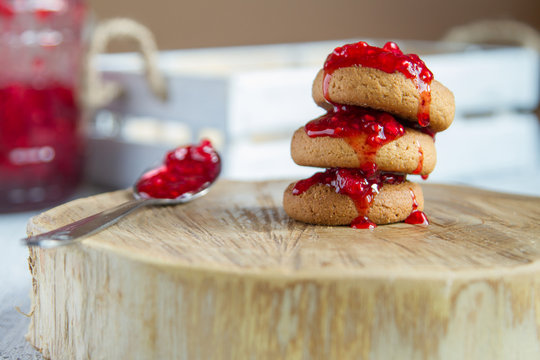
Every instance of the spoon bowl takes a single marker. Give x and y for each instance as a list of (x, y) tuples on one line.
[(70, 233), (184, 198)]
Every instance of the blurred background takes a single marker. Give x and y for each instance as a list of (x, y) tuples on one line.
[(87, 103), (195, 24), (94, 92), (253, 63)]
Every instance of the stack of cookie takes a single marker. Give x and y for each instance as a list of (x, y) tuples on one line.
[(384, 109)]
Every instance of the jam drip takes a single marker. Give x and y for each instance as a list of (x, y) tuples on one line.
[(389, 59), (360, 185), (186, 169), (365, 130), (416, 217), (420, 166)]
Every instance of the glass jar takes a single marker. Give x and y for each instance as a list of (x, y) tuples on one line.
[(41, 143)]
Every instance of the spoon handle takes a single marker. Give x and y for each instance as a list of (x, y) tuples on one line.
[(69, 233)]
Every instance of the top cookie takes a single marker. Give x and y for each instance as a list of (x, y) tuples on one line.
[(390, 92)]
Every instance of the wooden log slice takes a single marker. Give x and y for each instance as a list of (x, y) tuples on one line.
[(230, 276)]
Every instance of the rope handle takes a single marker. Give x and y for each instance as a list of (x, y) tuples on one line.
[(96, 92), (496, 30)]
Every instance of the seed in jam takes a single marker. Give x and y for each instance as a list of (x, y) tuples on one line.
[(186, 169), (389, 59), (365, 130), (360, 185)]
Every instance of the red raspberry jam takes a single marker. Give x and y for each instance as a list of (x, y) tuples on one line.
[(389, 59), (6, 10), (424, 130), (41, 145), (416, 217), (365, 130), (41, 138), (186, 169), (360, 185)]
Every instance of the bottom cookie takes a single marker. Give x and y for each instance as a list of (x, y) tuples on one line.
[(322, 205)]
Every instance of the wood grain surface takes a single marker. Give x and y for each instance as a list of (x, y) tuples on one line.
[(231, 276)]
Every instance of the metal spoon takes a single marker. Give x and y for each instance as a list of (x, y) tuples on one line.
[(69, 233)]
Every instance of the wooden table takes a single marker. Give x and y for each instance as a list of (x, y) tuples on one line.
[(230, 275)]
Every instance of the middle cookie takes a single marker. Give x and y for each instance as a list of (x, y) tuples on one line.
[(412, 153)]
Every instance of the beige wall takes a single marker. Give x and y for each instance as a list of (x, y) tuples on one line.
[(188, 24)]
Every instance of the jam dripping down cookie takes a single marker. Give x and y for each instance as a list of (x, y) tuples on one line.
[(360, 185), (365, 130), (389, 59), (416, 217)]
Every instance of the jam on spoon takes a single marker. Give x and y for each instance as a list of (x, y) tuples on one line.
[(187, 174), (186, 169)]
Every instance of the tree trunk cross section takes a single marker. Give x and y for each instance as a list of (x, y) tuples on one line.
[(231, 276)]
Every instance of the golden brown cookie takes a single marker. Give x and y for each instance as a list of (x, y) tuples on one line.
[(321, 205), (413, 152), (393, 93)]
